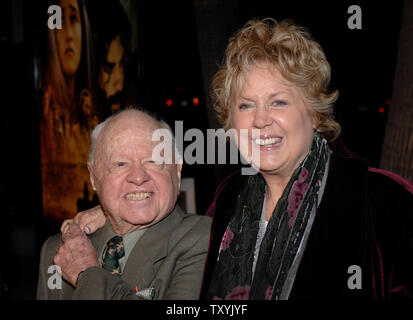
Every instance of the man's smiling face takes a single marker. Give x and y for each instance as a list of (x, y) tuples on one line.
[(135, 191)]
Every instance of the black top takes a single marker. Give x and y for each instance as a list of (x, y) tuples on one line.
[(363, 226)]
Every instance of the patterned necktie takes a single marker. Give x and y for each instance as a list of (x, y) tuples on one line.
[(114, 252)]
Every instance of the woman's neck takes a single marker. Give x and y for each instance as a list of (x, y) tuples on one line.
[(71, 83), (275, 186)]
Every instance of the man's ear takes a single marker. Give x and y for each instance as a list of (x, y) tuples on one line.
[(179, 169), (91, 175), (178, 174)]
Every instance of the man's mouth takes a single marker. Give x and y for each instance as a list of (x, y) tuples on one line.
[(267, 142), (138, 196)]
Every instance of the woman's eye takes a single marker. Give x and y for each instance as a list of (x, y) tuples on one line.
[(121, 164), (73, 18), (244, 106), (279, 103)]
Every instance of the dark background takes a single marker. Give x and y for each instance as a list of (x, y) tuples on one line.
[(169, 67)]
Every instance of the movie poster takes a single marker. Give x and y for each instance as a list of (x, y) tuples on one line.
[(86, 73)]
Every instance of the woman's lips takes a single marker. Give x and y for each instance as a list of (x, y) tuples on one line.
[(69, 51), (267, 143)]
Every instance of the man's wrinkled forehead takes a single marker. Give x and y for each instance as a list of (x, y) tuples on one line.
[(131, 133)]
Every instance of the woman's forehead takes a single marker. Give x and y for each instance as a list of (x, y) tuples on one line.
[(69, 4), (263, 75)]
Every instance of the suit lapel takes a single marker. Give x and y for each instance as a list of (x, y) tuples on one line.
[(150, 248)]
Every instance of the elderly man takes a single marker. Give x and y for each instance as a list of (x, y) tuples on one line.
[(148, 248)]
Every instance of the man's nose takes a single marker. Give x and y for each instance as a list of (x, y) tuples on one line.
[(117, 78), (261, 117), (138, 175)]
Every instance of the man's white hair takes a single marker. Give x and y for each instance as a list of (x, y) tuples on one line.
[(98, 129)]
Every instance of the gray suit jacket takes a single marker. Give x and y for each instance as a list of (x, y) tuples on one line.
[(169, 257)]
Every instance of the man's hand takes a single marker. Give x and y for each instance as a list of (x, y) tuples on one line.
[(75, 254), (89, 220)]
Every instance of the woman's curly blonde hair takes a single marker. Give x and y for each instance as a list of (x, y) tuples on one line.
[(289, 48)]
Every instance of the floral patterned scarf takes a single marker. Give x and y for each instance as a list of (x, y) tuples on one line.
[(285, 237)]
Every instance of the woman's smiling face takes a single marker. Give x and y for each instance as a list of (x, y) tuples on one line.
[(276, 110)]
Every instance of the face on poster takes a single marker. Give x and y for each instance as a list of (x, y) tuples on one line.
[(84, 81)]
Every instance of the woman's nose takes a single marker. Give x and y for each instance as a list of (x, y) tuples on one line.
[(261, 118), (67, 28)]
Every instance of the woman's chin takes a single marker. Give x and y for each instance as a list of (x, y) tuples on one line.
[(271, 168)]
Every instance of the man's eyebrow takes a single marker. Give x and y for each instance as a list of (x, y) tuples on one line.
[(109, 64)]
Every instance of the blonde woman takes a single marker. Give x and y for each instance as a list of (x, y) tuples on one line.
[(316, 221)]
